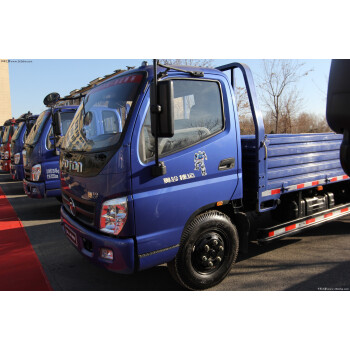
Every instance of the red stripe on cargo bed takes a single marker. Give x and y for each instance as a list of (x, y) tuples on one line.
[(345, 177), (327, 215), (344, 210), (315, 183), (310, 221), (277, 191), (271, 234), (300, 186), (291, 227), (333, 179), (20, 268)]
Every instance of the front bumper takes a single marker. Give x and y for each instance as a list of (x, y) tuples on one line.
[(17, 172), (39, 190), (5, 165), (89, 244)]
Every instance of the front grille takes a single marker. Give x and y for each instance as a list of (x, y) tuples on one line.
[(85, 210), (27, 173)]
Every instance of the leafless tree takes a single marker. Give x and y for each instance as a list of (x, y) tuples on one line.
[(310, 123), (209, 63), (246, 122), (279, 94)]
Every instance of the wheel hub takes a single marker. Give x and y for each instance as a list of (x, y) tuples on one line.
[(208, 252)]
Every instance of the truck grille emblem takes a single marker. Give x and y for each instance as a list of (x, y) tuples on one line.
[(72, 207)]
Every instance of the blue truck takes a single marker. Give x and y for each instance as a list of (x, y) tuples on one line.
[(40, 156), (154, 170), (9, 128), (25, 122)]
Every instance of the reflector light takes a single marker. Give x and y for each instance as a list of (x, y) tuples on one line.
[(106, 253)]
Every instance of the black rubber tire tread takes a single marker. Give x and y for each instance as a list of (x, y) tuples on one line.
[(181, 267)]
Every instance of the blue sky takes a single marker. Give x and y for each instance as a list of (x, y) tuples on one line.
[(31, 81)]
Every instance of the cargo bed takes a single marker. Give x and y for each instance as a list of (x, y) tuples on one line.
[(290, 162)]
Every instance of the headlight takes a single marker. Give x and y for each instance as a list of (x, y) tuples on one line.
[(36, 172), (24, 153), (17, 158), (113, 215), (6, 155)]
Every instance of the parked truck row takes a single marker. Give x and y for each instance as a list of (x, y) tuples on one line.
[(151, 169)]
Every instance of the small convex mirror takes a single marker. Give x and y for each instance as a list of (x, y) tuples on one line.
[(51, 99)]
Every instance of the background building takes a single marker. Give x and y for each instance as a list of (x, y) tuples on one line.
[(5, 99)]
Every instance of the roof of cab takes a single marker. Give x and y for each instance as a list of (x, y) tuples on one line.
[(149, 70)]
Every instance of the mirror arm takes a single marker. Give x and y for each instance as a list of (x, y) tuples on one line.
[(159, 168)]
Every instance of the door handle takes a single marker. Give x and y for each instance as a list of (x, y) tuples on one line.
[(227, 163)]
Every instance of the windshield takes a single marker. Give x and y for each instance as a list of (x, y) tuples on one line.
[(7, 133), (101, 117), (35, 132), (18, 131)]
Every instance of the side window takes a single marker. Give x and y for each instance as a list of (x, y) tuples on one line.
[(198, 115)]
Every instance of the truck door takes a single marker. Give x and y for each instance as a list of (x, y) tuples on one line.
[(201, 160)]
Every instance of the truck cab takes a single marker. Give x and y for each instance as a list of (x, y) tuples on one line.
[(154, 174), (25, 122), (40, 159), (10, 127)]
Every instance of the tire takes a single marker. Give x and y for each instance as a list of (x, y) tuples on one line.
[(208, 249)]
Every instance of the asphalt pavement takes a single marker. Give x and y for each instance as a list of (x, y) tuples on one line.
[(317, 259)]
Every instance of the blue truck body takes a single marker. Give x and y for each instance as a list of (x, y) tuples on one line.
[(39, 151), (222, 172), (17, 143)]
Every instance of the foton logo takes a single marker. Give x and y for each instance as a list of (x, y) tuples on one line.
[(72, 166)]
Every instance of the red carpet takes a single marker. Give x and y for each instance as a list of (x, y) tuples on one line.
[(20, 268)]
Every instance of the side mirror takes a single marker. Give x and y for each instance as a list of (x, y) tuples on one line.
[(56, 124), (338, 107), (166, 115), (51, 99)]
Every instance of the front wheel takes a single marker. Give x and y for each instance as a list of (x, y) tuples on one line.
[(208, 249)]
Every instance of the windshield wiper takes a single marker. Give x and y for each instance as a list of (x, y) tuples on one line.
[(165, 73)]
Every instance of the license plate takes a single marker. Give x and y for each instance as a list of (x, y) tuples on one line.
[(72, 236)]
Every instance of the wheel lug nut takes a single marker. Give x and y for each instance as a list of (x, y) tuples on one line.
[(204, 258), (215, 242), (221, 248), (218, 259), (210, 264), (206, 248)]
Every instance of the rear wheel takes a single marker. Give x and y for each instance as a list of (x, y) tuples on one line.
[(208, 249)]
